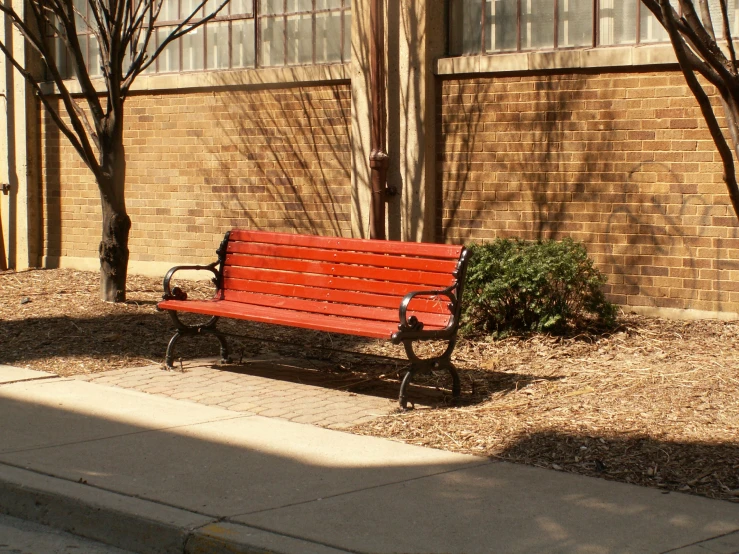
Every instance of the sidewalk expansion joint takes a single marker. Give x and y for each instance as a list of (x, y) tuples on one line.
[(363, 489), (703, 542)]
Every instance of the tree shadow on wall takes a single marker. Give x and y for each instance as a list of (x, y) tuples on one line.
[(502, 169), (284, 161)]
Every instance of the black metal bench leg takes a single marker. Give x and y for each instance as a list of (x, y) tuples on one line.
[(169, 358), (456, 383), (402, 399), (225, 352), (417, 364), (190, 330)]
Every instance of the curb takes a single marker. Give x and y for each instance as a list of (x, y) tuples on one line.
[(135, 524)]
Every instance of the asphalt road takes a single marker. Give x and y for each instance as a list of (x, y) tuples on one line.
[(23, 537)]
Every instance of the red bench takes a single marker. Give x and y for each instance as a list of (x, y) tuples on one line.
[(400, 291)]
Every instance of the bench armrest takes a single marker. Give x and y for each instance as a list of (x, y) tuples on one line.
[(413, 328), (177, 293)]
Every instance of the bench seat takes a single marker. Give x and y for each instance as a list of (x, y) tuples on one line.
[(291, 318)]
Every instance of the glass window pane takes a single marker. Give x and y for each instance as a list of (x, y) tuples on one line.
[(170, 10), (272, 43), (217, 51), (95, 61), (82, 39), (717, 18), (243, 43), (294, 6), (537, 24), (240, 7), (300, 39), (139, 48), (465, 27), (501, 17), (188, 6), (328, 37), (60, 59), (212, 5), (169, 59), (617, 23), (327, 4), (347, 36), (575, 23), (272, 6), (193, 46), (80, 15), (652, 30)]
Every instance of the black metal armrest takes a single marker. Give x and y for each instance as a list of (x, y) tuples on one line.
[(177, 293), (412, 327)]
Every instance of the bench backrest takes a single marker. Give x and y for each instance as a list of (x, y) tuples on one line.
[(357, 278)]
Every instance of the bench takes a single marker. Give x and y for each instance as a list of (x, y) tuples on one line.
[(399, 291)]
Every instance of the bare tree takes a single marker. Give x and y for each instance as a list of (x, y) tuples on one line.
[(700, 51), (124, 30)]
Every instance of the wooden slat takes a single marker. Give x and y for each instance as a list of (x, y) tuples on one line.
[(324, 281), (372, 329), (343, 257), (330, 295), (328, 308), (443, 251), (324, 268)]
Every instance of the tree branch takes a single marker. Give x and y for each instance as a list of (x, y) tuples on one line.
[(29, 78), (180, 30), (704, 103)]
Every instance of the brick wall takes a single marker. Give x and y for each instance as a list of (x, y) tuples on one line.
[(200, 163), (621, 162)]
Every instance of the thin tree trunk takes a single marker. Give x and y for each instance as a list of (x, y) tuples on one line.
[(116, 223), (114, 254)]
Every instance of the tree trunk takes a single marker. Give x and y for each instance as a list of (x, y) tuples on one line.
[(114, 253), (116, 223)]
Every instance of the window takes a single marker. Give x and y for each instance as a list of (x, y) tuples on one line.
[(245, 34), (493, 26)]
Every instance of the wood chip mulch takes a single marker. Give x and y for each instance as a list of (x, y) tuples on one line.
[(654, 403)]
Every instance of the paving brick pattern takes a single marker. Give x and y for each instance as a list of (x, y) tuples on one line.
[(268, 388)]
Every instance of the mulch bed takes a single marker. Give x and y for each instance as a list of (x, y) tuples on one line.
[(652, 403)]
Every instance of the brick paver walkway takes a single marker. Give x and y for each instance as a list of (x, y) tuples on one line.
[(262, 387)]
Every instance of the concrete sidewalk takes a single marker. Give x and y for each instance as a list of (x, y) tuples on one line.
[(154, 474)]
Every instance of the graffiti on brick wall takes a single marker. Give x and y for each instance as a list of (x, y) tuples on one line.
[(551, 156), (673, 248)]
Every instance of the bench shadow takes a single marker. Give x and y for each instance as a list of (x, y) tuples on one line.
[(381, 381), (275, 352)]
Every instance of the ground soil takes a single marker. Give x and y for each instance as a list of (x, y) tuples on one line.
[(653, 402)]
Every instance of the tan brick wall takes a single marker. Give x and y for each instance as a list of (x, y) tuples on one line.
[(200, 163), (621, 162)]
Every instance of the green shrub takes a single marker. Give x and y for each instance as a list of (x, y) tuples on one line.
[(518, 286)]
